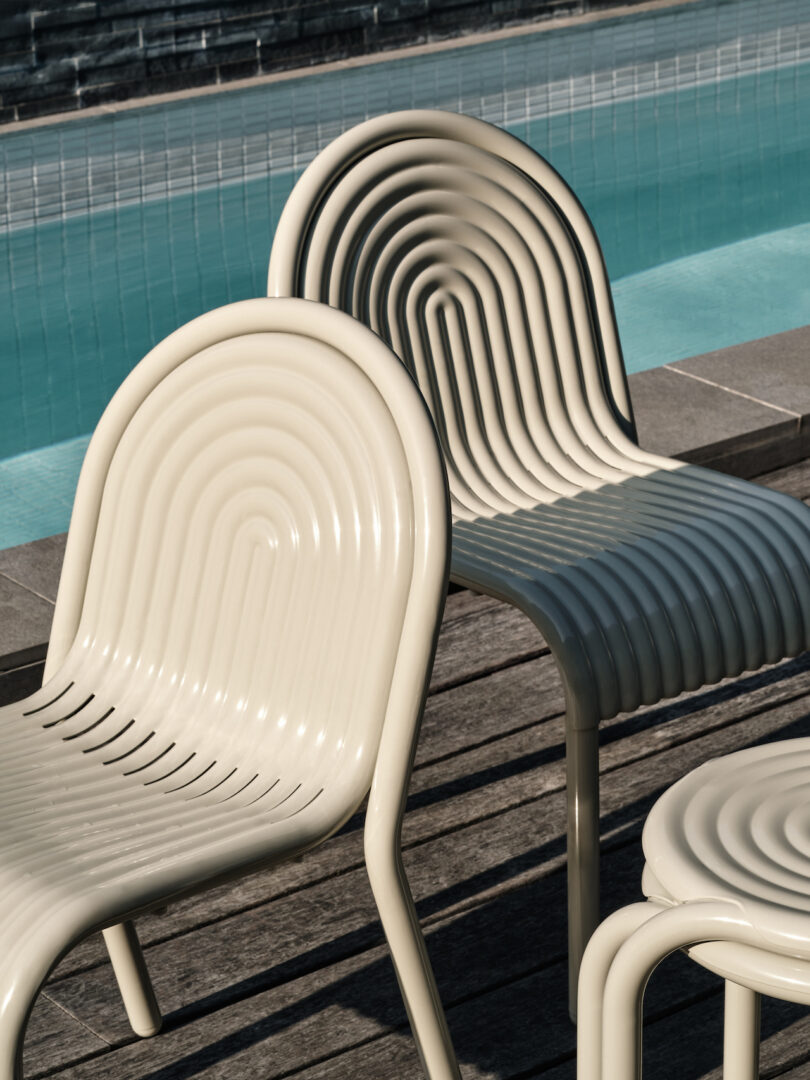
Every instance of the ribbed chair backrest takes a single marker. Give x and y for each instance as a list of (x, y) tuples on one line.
[(469, 254), (258, 536)]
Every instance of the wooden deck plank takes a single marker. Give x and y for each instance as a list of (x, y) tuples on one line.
[(504, 637), (473, 714), (450, 874), (491, 777), (285, 973), (55, 1036), (792, 479), (357, 1000), (480, 635)]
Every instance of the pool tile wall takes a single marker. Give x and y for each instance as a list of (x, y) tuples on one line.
[(116, 229), (196, 143)]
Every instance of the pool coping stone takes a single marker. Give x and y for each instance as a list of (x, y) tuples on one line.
[(772, 370), (716, 409), (25, 623), (743, 410)]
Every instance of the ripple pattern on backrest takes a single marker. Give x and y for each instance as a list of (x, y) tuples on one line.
[(474, 274), (252, 558)]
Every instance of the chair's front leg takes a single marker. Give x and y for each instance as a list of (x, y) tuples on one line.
[(582, 787), (133, 978), (411, 962), (741, 1033)]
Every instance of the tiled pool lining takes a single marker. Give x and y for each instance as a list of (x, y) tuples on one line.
[(129, 156)]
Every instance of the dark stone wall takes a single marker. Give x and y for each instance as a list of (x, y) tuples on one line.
[(60, 55)]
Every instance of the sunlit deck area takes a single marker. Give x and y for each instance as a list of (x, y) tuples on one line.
[(287, 974)]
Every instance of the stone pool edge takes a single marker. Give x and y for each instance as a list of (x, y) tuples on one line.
[(743, 410)]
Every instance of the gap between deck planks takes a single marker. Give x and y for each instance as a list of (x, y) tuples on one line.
[(285, 973), (532, 848)]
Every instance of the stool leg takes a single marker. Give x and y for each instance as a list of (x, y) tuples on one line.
[(582, 785), (605, 942), (741, 1033), (671, 929)]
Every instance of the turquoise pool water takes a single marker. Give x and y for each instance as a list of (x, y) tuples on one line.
[(697, 195)]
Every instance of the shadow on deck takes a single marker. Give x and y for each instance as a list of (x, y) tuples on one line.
[(286, 973)]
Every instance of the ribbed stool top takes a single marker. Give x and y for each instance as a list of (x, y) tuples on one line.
[(738, 828)]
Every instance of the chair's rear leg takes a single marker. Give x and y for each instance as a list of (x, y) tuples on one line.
[(133, 978), (582, 771)]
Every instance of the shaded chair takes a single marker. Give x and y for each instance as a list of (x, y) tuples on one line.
[(727, 875), (468, 253), (253, 580)]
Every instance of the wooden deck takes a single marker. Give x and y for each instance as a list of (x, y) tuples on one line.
[(286, 973)]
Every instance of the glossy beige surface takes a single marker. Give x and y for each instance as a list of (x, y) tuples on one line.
[(253, 579), (728, 878), (470, 255), (466, 251)]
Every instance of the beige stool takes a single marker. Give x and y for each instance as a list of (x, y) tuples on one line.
[(727, 878)]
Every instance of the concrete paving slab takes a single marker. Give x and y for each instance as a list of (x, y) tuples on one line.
[(36, 566), (20, 682), (680, 416), (25, 625), (743, 410), (773, 370)]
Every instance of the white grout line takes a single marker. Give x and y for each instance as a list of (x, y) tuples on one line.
[(729, 390)]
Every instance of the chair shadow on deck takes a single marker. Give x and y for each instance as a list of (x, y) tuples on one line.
[(612, 731), (500, 963)]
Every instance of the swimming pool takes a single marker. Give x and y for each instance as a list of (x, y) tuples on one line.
[(681, 132)]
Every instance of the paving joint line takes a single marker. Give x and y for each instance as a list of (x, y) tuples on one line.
[(731, 390)]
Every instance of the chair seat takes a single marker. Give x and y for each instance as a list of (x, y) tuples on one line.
[(95, 802), (766, 972), (654, 585), (104, 817)]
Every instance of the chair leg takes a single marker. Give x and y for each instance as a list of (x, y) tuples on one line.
[(12, 1034), (411, 963), (29, 946), (582, 786), (741, 1033), (133, 978)]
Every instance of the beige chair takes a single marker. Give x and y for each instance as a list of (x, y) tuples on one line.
[(727, 877), (468, 253), (253, 581)]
